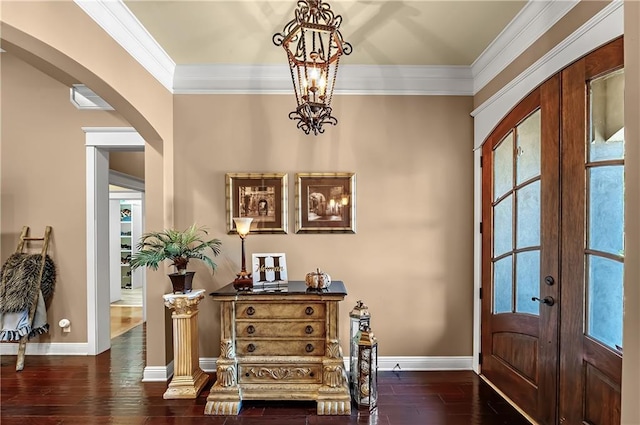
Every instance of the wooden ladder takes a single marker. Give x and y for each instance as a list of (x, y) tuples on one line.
[(22, 246)]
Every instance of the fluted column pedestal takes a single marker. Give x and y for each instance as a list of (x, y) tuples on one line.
[(188, 379)]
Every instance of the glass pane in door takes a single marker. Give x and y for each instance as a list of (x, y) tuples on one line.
[(527, 282), (605, 300), (503, 285), (528, 148), (503, 167), (502, 226), (607, 117), (605, 210), (528, 218)]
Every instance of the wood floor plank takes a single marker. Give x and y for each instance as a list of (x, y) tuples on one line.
[(108, 389)]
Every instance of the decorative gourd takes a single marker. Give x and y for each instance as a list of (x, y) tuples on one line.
[(318, 280)]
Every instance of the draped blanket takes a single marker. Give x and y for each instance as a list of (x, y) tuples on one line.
[(19, 286)]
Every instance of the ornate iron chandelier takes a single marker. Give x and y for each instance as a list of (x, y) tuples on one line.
[(314, 45)]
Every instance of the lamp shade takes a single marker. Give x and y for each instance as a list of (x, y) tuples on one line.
[(243, 225)]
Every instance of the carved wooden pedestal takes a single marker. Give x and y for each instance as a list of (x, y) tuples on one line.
[(280, 345), (188, 379)]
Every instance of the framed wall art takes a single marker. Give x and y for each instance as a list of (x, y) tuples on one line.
[(325, 203), (261, 196)]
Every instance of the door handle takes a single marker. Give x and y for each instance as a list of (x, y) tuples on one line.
[(546, 300)]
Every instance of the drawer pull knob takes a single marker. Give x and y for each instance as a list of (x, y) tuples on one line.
[(251, 329), (309, 348), (309, 311), (251, 311), (251, 348), (312, 374), (246, 374), (308, 329)]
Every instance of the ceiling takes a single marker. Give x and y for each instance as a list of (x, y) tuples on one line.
[(395, 32), (410, 47)]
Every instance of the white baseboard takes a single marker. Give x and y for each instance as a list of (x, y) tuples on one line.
[(423, 363), (157, 373), (208, 364), (46, 349), (397, 363)]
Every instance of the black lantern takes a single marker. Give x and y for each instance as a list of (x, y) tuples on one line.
[(359, 319), (366, 388), (314, 45)]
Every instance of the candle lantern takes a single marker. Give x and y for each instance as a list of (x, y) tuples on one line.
[(366, 389), (359, 319)]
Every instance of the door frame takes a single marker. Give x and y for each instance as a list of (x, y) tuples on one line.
[(98, 142), (605, 26)]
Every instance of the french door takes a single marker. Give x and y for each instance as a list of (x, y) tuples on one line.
[(553, 246)]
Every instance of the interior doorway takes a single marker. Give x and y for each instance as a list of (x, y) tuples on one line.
[(99, 142), (127, 286)]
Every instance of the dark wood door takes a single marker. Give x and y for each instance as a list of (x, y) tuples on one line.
[(592, 238), (520, 250), (553, 246)]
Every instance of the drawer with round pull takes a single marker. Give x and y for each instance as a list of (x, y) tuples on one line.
[(272, 347), (258, 310), (280, 373), (257, 329)]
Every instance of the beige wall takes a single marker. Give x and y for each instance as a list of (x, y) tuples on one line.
[(131, 163), (53, 36), (413, 160), (43, 181), (631, 341), (411, 258)]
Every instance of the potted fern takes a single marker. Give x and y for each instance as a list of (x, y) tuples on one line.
[(178, 247)]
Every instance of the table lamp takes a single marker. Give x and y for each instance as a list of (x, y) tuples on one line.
[(243, 279)]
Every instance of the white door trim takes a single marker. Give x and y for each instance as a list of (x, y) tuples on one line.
[(98, 142)]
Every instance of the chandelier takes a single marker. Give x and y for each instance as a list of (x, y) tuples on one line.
[(314, 45)]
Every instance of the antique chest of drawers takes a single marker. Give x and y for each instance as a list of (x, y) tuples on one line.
[(280, 344)]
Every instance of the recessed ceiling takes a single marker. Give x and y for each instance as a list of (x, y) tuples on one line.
[(381, 32)]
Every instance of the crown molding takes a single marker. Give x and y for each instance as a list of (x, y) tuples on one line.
[(353, 80), (603, 27), (122, 25), (405, 80), (534, 20)]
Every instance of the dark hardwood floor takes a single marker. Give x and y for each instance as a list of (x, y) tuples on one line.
[(106, 389)]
